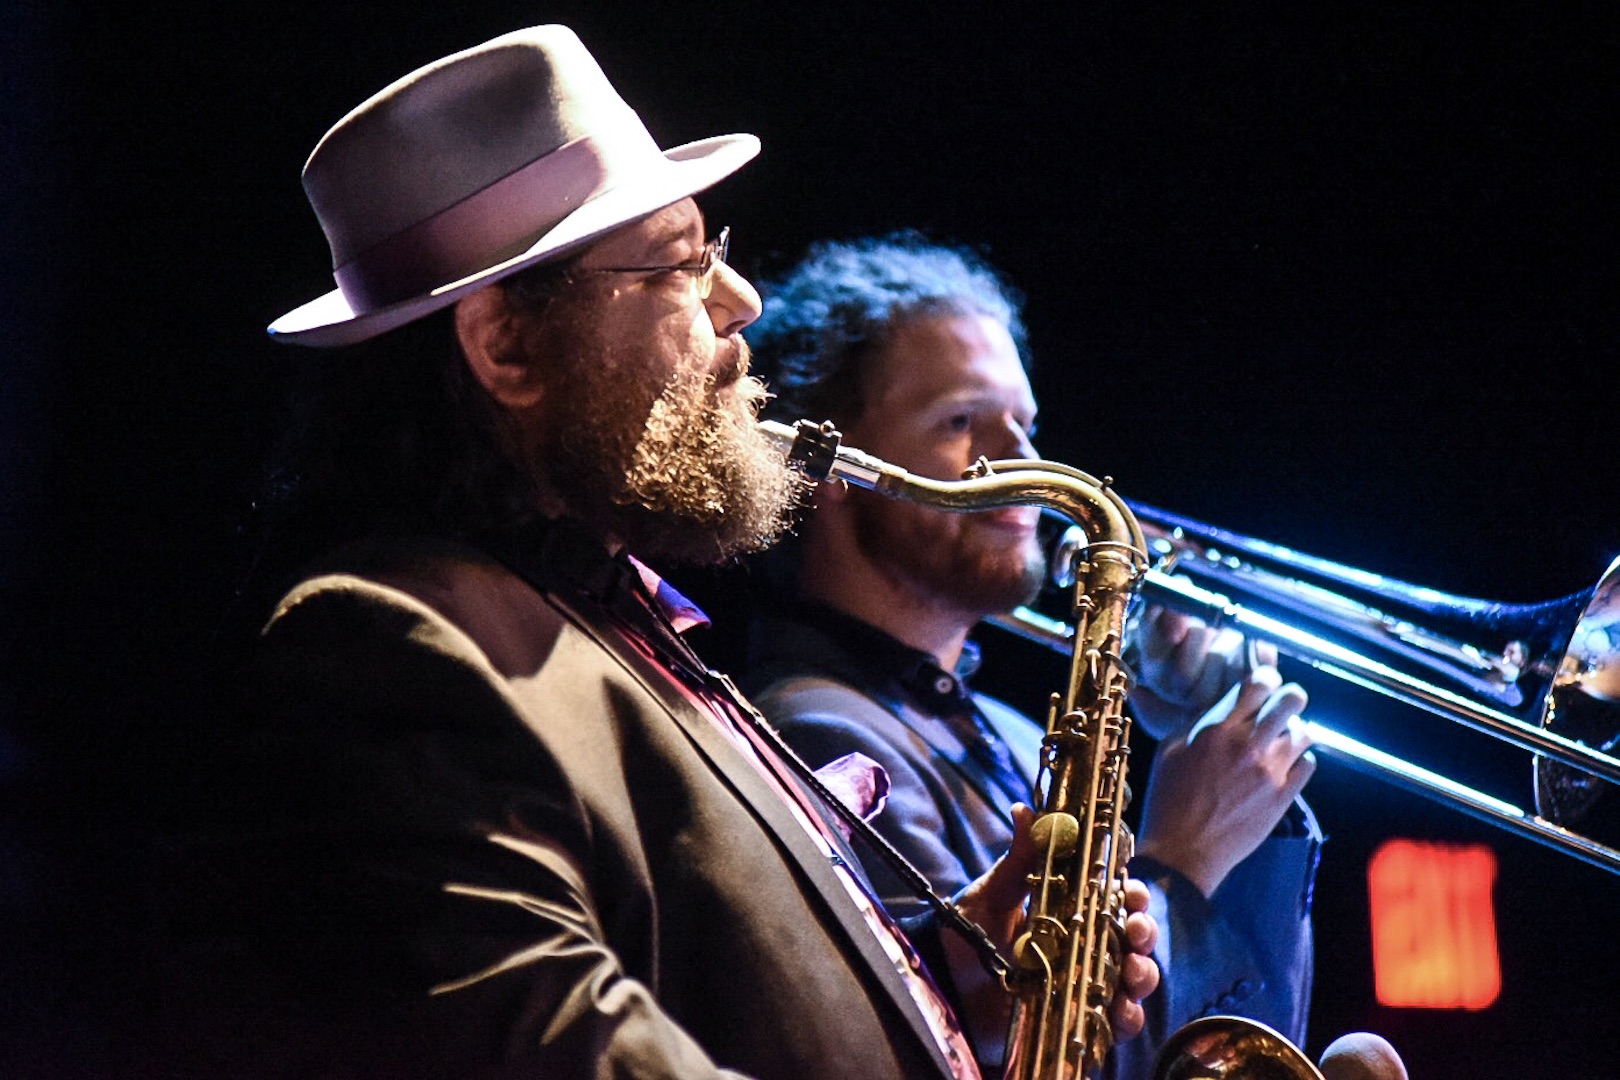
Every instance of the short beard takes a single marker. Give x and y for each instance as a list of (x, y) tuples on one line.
[(966, 577)]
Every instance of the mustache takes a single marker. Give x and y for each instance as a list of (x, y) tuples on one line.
[(733, 363)]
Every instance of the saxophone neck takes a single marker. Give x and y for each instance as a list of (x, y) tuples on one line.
[(1090, 503)]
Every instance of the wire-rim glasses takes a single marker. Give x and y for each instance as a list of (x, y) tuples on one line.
[(702, 268)]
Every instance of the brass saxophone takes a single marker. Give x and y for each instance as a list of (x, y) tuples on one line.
[(1066, 960)]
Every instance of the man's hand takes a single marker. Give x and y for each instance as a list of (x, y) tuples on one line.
[(1220, 786), (1184, 666), (1138, 973), (996, 902)]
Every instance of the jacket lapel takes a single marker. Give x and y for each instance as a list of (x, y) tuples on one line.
[(767, 805)]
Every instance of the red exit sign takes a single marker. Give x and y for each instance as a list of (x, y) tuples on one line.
[(1433, 925)]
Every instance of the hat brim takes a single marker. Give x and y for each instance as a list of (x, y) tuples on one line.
[(330, 321)]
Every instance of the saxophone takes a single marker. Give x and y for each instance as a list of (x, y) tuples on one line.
[(1066, 959)]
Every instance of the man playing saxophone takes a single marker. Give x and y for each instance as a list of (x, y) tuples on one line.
[(485, 813), (916, 353)]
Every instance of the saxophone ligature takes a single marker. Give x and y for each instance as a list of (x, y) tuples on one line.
[(1065, 962)]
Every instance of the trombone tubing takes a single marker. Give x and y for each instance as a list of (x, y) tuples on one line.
[(1347, 664), (1033, 626)]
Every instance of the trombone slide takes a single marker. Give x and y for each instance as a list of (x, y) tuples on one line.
[(1334, 659)]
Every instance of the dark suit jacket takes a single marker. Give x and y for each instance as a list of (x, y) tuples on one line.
[(483, 835)]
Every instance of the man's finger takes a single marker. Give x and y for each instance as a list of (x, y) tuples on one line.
[(1281, 706)]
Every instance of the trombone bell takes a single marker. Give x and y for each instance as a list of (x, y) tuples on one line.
[(1583, 704)]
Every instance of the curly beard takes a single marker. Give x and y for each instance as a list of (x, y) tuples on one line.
[(673, 466)]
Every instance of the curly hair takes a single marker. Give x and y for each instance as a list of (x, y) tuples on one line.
[(842, 302)]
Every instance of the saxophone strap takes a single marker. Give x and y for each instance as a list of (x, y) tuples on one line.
[(989, 955), (686, 663)]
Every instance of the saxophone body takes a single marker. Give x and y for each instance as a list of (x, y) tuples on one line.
[(1065, 962)]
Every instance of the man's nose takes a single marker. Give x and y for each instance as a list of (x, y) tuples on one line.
[(1013, 441), (733, 301)]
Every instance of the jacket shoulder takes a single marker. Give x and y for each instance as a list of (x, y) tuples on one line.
[(445, 596)]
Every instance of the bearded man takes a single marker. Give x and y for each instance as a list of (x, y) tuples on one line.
[(917, 353), (496, 818)]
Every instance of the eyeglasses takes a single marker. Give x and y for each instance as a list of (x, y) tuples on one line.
[(702, 268)]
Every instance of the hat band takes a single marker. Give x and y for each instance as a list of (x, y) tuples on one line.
[(487, 227)]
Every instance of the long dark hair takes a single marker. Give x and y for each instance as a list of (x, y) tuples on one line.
[(393, 436)]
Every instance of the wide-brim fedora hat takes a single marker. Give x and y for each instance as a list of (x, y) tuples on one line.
[(476, 166)]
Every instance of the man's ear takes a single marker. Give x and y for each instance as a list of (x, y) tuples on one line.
[(491, 341)]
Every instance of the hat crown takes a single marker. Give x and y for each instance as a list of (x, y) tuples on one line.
[(475, 167), (451, 129)]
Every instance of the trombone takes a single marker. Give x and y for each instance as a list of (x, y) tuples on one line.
[(1544, 677)]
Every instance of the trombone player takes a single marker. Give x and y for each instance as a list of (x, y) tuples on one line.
[(917, 353)]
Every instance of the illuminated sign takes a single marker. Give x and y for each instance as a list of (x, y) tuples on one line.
[(1433, 925)]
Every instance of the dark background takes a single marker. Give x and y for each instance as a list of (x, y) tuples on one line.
[(1338, 275)]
